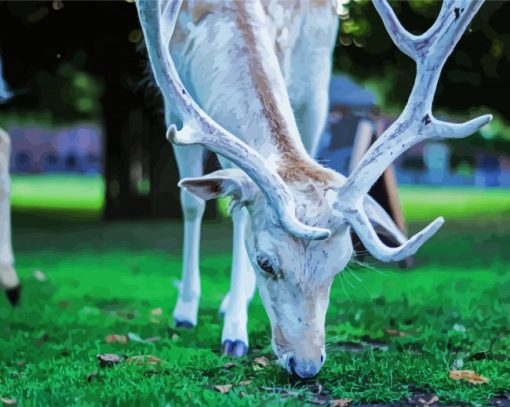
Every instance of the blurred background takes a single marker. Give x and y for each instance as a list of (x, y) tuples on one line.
[(86, 122)]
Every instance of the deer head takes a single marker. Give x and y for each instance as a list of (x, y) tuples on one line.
[(302, 213)]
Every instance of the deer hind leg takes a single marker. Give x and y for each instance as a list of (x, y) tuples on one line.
[(242, 287), (308, 83), (9, 280), (190, 163)]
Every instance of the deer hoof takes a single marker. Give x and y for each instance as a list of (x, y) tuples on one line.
[(13, 295), (183, 324), (235, 348)]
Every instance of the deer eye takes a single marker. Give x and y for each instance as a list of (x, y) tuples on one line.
[(268, 266)]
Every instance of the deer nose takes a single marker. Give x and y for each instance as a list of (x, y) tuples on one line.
[(304, 369)]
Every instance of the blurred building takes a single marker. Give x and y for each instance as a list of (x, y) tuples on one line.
[(76, 149), (352, 126)]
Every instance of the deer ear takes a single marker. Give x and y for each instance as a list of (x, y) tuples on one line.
[(232, 182)]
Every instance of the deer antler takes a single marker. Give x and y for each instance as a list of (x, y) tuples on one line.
[(158, 22), (416, 123)]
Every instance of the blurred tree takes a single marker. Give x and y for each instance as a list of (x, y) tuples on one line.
[(78, 60), (476, 76), (69, 90)]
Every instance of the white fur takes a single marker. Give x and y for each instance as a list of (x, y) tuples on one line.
[(8, 276)]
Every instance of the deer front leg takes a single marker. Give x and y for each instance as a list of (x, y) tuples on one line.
[(190, 162), (8, 278), (234, 338)]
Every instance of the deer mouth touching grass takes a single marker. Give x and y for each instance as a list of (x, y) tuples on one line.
[(234, 90)]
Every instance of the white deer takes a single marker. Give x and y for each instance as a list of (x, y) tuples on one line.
[(8, 278), (260, 69)]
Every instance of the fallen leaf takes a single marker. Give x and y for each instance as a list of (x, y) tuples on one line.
[(433, 400), (135, 338), (144, 360), (459, 328), (116, 339), (223, 388), (396, 332), (8, 402), (244, 382), (153, 339), (40, 276), (341, 402), (262, 361), (423, 399), (157, 311), (108, 359), (468, 375)]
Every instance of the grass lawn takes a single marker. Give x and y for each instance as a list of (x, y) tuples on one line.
[(392, 334)]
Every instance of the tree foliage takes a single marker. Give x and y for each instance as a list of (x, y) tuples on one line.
[(475, 78)]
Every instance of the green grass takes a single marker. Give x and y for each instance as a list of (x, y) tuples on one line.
[(54, 192), (106, 278)]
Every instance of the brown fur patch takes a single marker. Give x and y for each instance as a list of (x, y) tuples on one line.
[(293, 167), (200, 10)]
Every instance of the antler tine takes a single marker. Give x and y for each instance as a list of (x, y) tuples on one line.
[(199, 128), (416, 123)]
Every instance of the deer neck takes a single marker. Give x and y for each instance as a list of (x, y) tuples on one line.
[(245, 90)]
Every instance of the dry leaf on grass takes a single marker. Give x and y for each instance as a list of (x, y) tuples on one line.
[(262, 361), (433, 400), (341, 402), (116, 339), (144, 360), (40, 276), (8, 402), (244, 382), (123, 339), (396, 332), (135, 338), (223, 388), (108, 359), (157, 312), (468, 375), (423, 399)]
